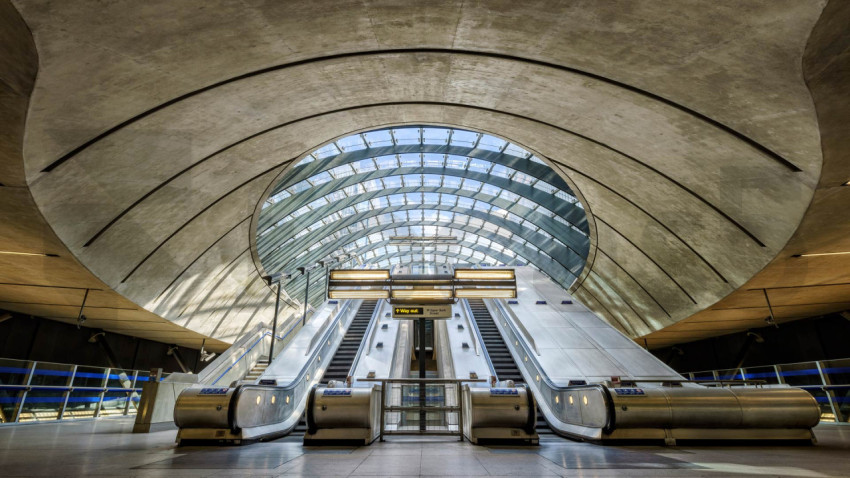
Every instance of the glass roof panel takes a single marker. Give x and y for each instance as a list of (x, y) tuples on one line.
[(320, 229), (406, 135), (464, 138), (351, 143), (491, 143), (377, 139)]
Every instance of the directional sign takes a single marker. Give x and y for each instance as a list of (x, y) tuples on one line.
[(422, 311)]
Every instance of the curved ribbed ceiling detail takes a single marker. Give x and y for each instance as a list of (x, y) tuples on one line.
[(351, 196)]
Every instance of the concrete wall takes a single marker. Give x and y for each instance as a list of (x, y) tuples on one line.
[(686, 129)]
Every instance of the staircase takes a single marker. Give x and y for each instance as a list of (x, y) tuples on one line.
[(255, 373), (503, 363)]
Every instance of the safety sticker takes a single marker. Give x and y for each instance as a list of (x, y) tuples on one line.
[(629, 391), (213, 391), (337, 392)]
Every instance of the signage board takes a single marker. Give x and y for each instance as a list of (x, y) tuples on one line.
[(442, 311)]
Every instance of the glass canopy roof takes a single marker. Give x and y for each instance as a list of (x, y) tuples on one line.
[(350, 197)]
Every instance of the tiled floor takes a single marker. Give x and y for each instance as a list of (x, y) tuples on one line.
[(107, 448)]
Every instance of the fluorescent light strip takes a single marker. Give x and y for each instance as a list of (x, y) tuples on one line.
[(484, 274), (485, 293), (422, 294), (359, 294), (816, 254), (41, 254), (357, 275)]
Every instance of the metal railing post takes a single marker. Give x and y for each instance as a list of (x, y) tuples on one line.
[(779, 378), (20, 408), (274, 322), (460, 410), (836, 412), (67, 393), (131, 393), (384, 390), (102, 392)]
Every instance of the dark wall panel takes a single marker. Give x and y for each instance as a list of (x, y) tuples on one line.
[(33, 338), (818, 338)]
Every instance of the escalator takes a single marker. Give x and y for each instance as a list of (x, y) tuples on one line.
[(274, 406), (503, 363), (343, 359)]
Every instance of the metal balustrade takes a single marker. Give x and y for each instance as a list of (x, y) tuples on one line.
[(42, 391), (827, 380)]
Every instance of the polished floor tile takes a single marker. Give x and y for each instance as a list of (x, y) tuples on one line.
[(106, 448)]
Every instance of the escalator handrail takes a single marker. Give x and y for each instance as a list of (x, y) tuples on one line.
[(544, 378), (301, 375), (528, 353), (468, 310), (363, 340)]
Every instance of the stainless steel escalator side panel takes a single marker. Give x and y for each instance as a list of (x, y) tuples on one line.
[(777, 407), (255, 411), (654, 411), (349, 415), (199, 408)]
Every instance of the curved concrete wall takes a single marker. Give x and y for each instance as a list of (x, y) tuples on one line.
[(155, 129)]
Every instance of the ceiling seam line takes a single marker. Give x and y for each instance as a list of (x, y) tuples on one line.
[(685, 243), (186, 223), (599, 249), (201, 255), (717, 124), (648, 257)]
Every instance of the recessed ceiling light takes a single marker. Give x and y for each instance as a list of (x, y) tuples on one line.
[(28, 254), (822, 254)]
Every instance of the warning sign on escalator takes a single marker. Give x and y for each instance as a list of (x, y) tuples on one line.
[(422, 311)]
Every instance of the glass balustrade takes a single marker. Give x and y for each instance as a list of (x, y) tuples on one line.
[(827, 380), (42, 391)]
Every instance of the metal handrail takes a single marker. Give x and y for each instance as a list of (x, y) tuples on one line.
[(128, 380), (319, 329), (223, 360), (265, 334), (371, 330), (479, 338), (469, 329), (303, 373)]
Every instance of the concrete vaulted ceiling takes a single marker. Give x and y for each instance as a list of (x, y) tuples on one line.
[(704, 140)]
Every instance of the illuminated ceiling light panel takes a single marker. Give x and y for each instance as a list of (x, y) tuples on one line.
[(485, 293), (359, 294), (817, 254), (38, 254), (358, 275), (422, 294), (485, 274)]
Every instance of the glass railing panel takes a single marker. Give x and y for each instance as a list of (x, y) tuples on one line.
[(114, 403), (704, 376), (52, 374), (9, 400), (837, 372), (800, 374), (767, 374), (729, 374), (82, 404), (42, 404), (120, 378), (14, 372), (826, 411), (89, 376)]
